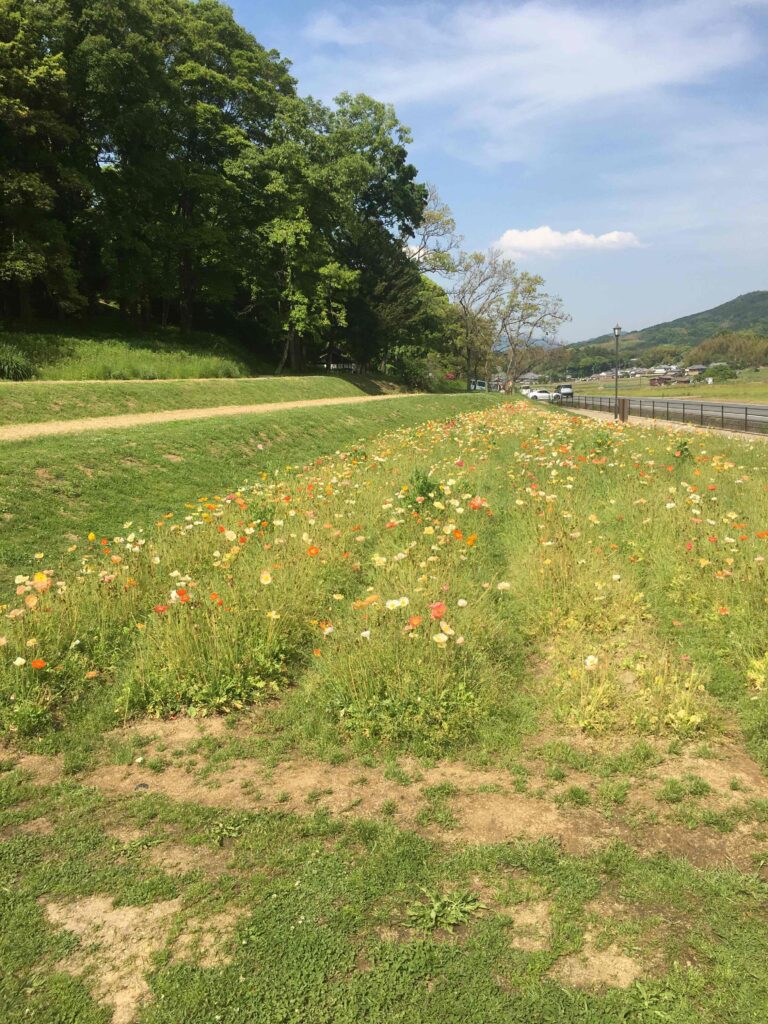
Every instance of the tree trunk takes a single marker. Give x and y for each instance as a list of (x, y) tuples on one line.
[(296, 351), (286, 350), (25, 302), (185, 294)]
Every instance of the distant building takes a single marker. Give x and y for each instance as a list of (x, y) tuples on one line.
[(529, 378)]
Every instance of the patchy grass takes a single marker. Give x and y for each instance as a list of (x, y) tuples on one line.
[(352, 920)]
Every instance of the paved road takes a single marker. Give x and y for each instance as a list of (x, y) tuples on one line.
[(751, 416)]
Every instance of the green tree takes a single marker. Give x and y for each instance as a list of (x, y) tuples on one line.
[(38, 176)]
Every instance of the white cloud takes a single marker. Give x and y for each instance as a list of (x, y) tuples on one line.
[(495, 71), (546, 241)]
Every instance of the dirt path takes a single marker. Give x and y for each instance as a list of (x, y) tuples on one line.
[(50, 428)]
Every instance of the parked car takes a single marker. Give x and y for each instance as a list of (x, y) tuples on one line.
[(540, 395), (478, 385), (564, 390)]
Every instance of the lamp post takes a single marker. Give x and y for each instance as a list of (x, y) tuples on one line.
[(616, 334)]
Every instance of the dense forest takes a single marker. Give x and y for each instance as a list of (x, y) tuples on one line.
[(155, 157)]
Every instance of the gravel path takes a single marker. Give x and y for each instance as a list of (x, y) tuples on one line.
[(50, 428)]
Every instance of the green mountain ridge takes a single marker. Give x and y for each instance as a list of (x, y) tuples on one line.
[(746, 312)]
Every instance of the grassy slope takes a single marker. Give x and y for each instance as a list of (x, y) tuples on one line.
[(54, 487), (107, 350), (36, 401)]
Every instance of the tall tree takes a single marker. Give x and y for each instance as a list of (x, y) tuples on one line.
[(478, 294), (525, 317), (435, 242)]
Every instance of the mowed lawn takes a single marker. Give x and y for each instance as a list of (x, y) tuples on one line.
[(463, 719), (38, 401), (749, 386)]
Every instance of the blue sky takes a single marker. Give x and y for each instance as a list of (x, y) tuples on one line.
[(636, 132)]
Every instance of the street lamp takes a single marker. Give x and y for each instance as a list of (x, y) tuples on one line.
[(616, 334)]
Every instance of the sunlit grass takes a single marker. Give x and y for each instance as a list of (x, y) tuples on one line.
[(424, 591)]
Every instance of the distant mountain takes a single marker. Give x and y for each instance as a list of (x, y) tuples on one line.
[(747, 312)]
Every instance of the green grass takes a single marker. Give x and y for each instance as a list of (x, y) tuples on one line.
[(342, 922), (37, 401), (574, 607), (108, 350), (750, 386), (54, 490)]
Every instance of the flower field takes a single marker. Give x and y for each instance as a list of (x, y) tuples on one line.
[(464, 723), (433, 593)]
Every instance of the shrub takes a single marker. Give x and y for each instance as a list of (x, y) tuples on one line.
[(14, 365)]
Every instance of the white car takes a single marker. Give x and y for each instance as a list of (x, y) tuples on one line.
[(540, 395)]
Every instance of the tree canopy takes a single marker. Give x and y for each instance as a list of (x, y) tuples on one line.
[(156, 158)]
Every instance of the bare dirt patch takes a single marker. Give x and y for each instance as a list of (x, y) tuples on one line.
[(125, 834), (177, 731), (532, 925), (45, 771), (486, 806), (595, 968), (116, 946), (178, 858), (730, 765), (37, 827), (500, 817)]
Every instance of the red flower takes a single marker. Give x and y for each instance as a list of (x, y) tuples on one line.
[(38, 663), (161, 609), (437, 610), (313, 550)]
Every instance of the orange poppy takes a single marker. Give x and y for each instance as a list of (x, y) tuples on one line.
[(313, 550), (38, 663)]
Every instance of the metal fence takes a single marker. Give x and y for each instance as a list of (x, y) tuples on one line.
[(728, 416)]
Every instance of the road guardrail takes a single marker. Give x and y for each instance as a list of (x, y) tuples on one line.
[(722, 416)]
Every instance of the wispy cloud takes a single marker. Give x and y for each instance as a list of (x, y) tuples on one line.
[(493, 69), (546, 241)]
